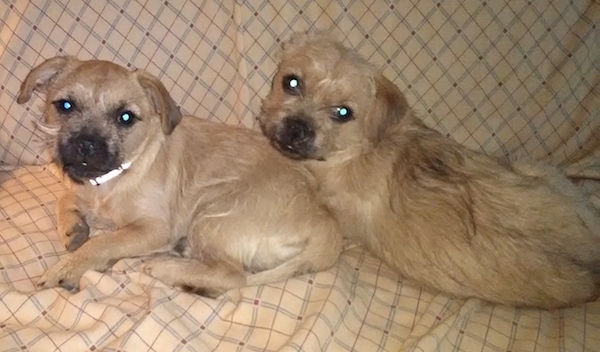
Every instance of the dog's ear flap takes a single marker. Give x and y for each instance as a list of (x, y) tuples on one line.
[(390, 105), (300, 39), (162, 102), (40, 76), (296, 40)]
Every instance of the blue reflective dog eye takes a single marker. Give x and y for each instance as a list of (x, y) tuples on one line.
[(126, 117), (64, 105), (342, 114), (292, 85)]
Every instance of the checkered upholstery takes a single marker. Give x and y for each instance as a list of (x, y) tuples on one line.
[(509, 78)]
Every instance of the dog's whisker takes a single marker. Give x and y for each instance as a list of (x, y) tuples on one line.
[(50, 129)]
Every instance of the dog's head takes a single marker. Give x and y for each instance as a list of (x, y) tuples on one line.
[(327, 102), (101, 115)]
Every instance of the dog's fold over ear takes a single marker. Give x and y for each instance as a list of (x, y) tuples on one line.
[(297, 40), (40, 76), (300, 39), (164, 105), (390, 104)]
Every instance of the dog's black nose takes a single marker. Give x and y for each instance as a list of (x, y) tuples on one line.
[(86, 148), (297, 130), (88, 145)]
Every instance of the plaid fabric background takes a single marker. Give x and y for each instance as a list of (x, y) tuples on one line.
[(510, 78)]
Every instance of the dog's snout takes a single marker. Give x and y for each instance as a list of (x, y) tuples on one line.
[(87, 155), (295, 136)]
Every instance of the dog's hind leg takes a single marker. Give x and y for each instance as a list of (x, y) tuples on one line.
[(320, 253), (209, 277), (576, 228), (559, 182), (298, 265)]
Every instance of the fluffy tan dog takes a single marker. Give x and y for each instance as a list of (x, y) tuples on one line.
[(237, 212), (440, 214)]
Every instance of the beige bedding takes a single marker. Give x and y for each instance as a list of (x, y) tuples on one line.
[(506, 77)]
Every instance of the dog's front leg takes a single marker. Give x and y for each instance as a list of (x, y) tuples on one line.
[(70, 218), (98, 253)]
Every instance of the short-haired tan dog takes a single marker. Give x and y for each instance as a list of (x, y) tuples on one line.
[(237, 211), (442, 215)]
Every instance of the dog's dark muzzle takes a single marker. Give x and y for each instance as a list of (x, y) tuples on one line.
[(295, 137), (86, 156)]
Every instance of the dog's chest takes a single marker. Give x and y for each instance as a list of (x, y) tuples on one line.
[(100, 223), (108, 213)]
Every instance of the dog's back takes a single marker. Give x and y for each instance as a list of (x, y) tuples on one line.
[(459, 221)]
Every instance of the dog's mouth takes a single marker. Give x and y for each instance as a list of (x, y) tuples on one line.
[(84, 172), (288, 150)]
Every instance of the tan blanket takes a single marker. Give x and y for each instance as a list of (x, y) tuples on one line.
[(359, 305)]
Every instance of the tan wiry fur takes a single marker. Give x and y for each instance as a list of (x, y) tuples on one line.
[(442, 215), (237, 211)]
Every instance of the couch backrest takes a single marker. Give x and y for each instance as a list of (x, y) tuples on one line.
[(506, 77)]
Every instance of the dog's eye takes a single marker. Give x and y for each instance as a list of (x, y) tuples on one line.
[(64, 105), (342, 113), (292, 84), (126, 118)]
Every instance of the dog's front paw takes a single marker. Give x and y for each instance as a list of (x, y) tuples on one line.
[(75, 235), (163, 270), (66, 273)]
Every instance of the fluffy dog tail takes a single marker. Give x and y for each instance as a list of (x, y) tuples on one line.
[(587, 214)]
